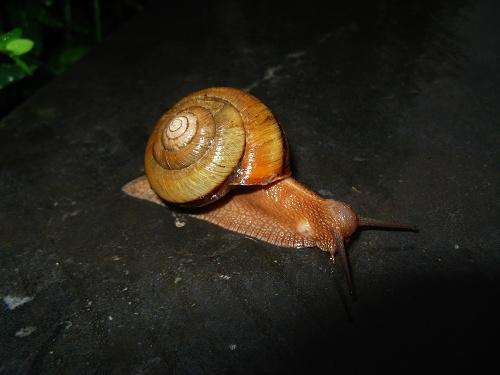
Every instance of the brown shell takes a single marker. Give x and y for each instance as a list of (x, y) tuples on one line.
[(211, 140)]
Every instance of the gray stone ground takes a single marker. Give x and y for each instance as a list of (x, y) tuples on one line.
[(391, 108)]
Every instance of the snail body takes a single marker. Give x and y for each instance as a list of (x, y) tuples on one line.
[(222, 153), (284, 214)]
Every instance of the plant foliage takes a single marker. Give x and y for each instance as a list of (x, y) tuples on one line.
[(14, 46), (43, 38)]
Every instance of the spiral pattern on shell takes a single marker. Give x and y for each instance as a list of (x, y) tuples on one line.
[(212, 140)]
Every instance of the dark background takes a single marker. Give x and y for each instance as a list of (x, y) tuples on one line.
[(389, 106)]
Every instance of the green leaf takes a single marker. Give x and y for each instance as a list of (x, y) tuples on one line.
[(5, 38), (10, 73), (67, 58), (23, 66), (19, 47), (72, 55)]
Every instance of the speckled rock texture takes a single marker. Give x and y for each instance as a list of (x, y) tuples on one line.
[(390, 106)]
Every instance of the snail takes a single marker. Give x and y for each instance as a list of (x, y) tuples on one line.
[(221, 153)]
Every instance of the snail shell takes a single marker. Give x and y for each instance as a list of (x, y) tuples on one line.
[(211, 141)]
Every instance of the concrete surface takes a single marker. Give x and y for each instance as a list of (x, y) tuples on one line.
[(392, 108)]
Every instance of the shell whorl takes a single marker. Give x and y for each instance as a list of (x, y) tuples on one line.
[(179, 131), (183, 137), (212, 140)]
